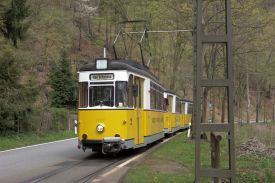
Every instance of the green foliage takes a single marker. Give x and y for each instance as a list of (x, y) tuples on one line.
[(253, 168), (15, 99), (59, 119), (89, 25), (51, 31), (15, 140), (62, 82), (14, 20)]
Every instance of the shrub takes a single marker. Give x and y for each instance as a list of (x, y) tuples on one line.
[(59, 119)]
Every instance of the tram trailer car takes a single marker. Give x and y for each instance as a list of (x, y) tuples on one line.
[(172, 115), (121, 106), (187, 108), (178, 113)]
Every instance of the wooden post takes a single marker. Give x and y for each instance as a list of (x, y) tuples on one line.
[(215, 153)]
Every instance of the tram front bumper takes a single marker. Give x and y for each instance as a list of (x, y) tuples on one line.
[(112, 145)]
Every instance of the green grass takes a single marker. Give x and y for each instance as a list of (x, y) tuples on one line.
[(143, 174), (179, 152), (24, 139), (254, 168), (173, 151)]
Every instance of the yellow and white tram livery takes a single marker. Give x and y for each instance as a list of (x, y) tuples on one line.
[(187, 108), (172, 115), (121, 106)]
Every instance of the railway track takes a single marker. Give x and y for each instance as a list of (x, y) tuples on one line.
[(61, 162), (92, 175), (82, 171), (92, 167)]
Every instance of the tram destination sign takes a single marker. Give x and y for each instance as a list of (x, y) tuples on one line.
[(96, 77)]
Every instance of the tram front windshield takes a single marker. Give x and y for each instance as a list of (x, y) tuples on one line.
[(101, 96)]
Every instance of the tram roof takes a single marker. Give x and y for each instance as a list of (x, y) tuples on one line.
[(186, 100), (129, 65), (173, 93), (177, 95)]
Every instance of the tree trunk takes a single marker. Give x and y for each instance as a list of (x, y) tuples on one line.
[(80, 37), (264, 111), (204, 105), (106, 33), (99, 27), (223, 106), (213, 118), (273, 116), (215, 153), (241, 114), (257, 106), (247, 94), (90, 30)]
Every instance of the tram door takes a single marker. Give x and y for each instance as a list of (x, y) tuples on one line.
[(138, 82)]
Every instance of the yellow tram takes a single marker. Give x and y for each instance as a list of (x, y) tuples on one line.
[(122, 105)]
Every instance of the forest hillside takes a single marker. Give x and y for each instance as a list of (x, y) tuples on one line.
[(44, 42)]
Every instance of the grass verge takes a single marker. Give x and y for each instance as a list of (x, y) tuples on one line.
[(175, 161), (20, 140)]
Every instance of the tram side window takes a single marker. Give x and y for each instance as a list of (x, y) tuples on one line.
[(158, 99), (121, 94), (130, 91), (83, 94), (165, 104), (152, 98), (161, 100), (178, 106), (170, 101)]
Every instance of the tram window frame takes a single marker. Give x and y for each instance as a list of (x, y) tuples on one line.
[(83, 95), (122, 94), (91, 96)]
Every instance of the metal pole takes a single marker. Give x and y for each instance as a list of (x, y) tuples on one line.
[(199, 84)]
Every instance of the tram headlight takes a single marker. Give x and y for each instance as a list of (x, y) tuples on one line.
[(100, 128)]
